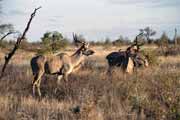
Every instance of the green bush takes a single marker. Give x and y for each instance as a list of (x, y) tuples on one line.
[(52, 42), (43, 51), (151, 56)]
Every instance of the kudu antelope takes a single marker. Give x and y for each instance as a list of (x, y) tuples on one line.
[(128, 59), (61, 64)]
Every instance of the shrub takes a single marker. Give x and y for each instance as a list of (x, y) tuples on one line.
[(172, 51), (53, 41), (151, 56)]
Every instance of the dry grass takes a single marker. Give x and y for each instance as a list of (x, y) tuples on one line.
[(150, 94)]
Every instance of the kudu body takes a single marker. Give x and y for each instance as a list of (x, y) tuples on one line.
[(61, 64), (127, 60)]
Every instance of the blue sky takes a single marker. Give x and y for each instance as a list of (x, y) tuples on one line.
[(95, 19)]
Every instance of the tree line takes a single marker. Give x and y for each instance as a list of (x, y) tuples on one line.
[(54, 40)]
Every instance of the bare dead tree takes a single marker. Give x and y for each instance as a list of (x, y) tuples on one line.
[(18, 42)]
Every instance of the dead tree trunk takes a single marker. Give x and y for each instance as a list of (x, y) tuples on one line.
[(18, 42)]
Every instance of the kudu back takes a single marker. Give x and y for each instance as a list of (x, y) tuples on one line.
[(120, 59)]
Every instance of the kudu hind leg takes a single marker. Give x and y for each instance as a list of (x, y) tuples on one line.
[(37, 82), (34, 84)]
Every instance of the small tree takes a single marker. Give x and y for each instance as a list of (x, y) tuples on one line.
[(5, 28), (53, 41), (56, 41), (107, 41), (121, 41), (148, 32)]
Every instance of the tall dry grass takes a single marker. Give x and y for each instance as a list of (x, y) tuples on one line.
[(149, 94)]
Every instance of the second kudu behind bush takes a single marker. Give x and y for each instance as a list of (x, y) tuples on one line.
[(128, 59), (61, 64)]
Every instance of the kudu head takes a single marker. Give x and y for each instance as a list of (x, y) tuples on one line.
[(135, 47), (138, 44), (134, 52), (84, 49), (146, 63)]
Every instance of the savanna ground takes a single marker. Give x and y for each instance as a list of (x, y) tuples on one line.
[(151, 93)]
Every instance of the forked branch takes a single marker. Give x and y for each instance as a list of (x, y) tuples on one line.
[(18, 42), (7, 34)]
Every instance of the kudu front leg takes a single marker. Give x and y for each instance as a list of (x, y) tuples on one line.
[(65, 77), (59, 78), (65, 71)]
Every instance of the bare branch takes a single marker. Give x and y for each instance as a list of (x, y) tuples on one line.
[(7, 34), (16, 46)]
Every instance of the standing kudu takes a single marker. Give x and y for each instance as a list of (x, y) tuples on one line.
[(127, 59), (61, 64)]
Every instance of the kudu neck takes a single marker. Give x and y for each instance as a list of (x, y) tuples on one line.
[(77, 57), (78, 52)]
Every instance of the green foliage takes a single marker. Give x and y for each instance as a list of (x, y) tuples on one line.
[(148, 32), (42, 51), (53, 41), (121, 41), (46, 38), (152, 56), (108, 42)]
